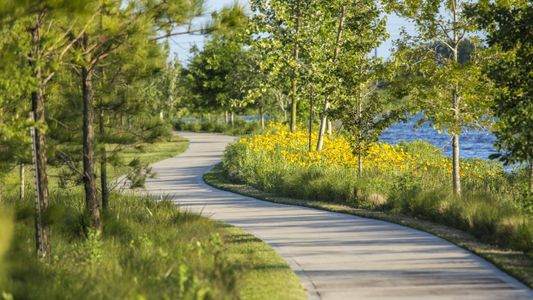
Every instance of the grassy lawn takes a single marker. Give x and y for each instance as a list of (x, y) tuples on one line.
[(263, 274), (149, 250), (516, 263), (147, 154)]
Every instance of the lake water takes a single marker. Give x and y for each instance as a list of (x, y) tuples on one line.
[(473, 143)]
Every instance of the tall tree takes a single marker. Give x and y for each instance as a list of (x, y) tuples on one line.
[(105, 34), (450, 94), (279, 25), (308, 38), (111, 29), (336, 52), (48, 44), (214, 71), (347, 31), (509, 25), (211, 72), (364, 106), (296, 62)]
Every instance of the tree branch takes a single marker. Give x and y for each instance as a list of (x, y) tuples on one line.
[(66, 158), (195, 31)]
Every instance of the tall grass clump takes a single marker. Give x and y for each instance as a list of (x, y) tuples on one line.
[(149, 250), (409, 179)]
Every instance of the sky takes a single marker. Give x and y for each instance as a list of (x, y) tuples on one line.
[(180, 45)]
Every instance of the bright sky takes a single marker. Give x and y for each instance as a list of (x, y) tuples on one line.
[(180, 45)]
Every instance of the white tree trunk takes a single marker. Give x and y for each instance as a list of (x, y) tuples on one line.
[(320, 142)]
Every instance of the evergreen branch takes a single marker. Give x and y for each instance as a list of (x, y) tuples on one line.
[(189, 31)]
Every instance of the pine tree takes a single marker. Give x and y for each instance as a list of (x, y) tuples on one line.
[(47, 49)]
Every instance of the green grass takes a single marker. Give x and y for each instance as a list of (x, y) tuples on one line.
[(264, 274), (516, 263), (147, 154), (149, 250), (118, 165)]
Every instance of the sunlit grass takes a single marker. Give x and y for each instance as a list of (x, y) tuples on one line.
[(149, 250)]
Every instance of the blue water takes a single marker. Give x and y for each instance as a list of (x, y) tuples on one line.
[(472, 143)]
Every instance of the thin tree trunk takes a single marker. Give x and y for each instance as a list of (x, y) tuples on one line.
[(320, 142), (22, 182), (330, 128), (310, 118), (103, 165), (322, 128), (261, 117), (232, 118), (456, 172), (89, 178), (456, 166), (42, 231), (360, 135), (226, 120), (531, 176), (294, 98), (359, 161)]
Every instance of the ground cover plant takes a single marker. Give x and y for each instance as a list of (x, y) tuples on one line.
[(408, 178)]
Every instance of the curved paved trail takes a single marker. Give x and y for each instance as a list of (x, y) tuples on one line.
[(336, 256)]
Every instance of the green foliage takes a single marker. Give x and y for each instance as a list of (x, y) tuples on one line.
[(301, 43), (12, 9), (15, 83), (430, 81), (451, 94), (238, 128), (215, 73), (231, 22), (169, 15), (508, 25)]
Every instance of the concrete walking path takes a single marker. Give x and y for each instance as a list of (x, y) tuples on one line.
[(336, 256)]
